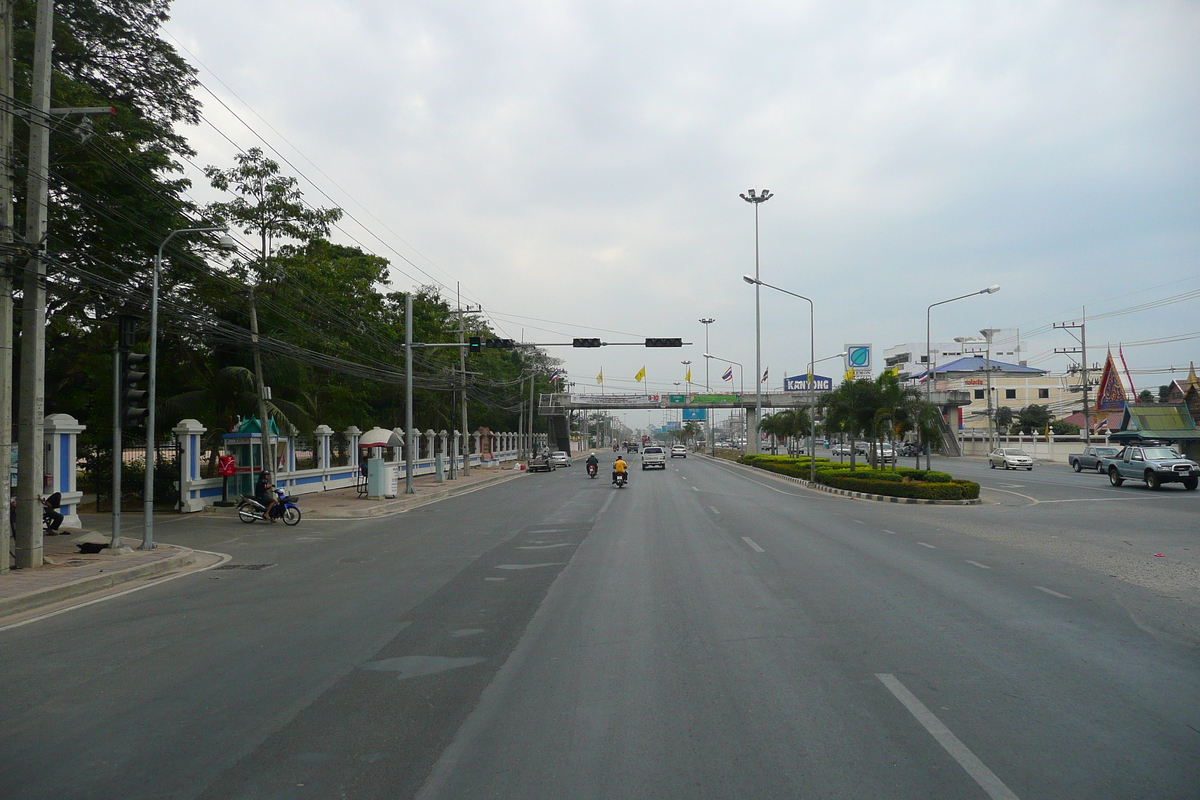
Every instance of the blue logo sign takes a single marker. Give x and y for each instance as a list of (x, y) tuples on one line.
[(858, 356), (800, 384), (695, 413)]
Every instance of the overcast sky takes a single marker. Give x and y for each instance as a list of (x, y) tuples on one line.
[(580, 163)]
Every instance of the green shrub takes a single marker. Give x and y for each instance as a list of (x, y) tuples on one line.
[(943, 490)]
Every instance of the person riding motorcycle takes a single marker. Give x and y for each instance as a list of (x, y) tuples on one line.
[(619, 468), (593, 463), (263, 493)]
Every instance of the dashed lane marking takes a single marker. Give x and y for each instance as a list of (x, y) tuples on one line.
[(714, 510), (930, 546), (753, 546), (1052, 592), (986, 779), (977, 564), (885, 530)]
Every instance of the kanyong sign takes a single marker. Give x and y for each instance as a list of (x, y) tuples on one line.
[(800, 383)]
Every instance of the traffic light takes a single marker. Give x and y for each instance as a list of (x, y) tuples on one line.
[(664, 343), (475, 344), (585, 343), (501, 344), (133, 395)]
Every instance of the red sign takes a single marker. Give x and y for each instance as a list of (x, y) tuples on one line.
[(974, 381), (226, 466)]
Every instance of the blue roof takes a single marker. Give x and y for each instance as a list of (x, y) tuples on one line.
[(980, 364)]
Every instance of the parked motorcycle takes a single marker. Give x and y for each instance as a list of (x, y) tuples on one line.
[(285, 508), (591, 470)]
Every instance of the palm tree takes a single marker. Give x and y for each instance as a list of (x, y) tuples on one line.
[(851, 407)]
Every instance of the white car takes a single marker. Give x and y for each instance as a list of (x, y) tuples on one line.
[(1010, 458), (678, 450), (560, 458), (654, 456)]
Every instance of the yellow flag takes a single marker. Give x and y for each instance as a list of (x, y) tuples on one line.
[(641, 374), (849, 374), (688, 377), (600, 377)]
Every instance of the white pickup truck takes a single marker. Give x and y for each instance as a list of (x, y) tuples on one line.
[(654, 456)]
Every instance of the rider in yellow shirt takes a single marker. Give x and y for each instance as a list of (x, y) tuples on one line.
[(619, 468)]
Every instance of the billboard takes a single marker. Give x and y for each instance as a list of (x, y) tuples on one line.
[(800, 383), (695, 414)]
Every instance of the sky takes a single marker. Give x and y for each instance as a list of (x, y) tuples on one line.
[(576, 167)]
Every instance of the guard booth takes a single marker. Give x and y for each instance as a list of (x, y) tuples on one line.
[(245, 445)]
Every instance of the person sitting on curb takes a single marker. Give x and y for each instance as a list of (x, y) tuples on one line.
[(50, 515)]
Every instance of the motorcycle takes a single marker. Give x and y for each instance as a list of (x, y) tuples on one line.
[(285, 508), (621, 480), (591, 470)]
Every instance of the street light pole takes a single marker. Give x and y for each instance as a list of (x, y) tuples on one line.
[(742, 373), (757, 200), (812, 418), (226, 243), (812, 351), (706, 321), (929, 373)]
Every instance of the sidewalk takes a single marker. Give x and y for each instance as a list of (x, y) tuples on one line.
[(68, 574)]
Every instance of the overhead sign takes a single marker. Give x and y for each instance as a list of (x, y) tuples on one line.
[(800, 384), (695, 414), (714, 399), (858, 360)]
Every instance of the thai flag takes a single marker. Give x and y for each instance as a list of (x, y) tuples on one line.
[(728, 376), (765, 373), (1102, 427), (554, 376)]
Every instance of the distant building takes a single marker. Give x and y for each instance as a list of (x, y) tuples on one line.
[(909, 358), (1014, 386)]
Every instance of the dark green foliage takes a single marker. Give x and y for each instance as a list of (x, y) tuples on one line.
[(918, 483)]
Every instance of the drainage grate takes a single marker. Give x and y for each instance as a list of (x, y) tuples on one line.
[(244, 566)]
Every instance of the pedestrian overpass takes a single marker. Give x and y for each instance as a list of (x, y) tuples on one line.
[(558, 406)]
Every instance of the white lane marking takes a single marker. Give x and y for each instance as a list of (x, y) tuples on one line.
[(1033, 501), (753, 546), (976, 563), (885, 530), (986, 779), (694, 489), (860, 522), (765, 486), (930, 546), (545, 546), (682, 476), (552, 530), (1051, 591), (714, 510), (223, 558), (531, 566), (604, 507)]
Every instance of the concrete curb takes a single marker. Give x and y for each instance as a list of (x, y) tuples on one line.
[(36, 598), (879, 498)]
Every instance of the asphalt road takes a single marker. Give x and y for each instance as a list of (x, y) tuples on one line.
[(705, 632)]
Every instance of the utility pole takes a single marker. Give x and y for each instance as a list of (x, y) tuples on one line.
[(6, 272), (408, 395), (462, 368), (31, 425), (1083, 365)]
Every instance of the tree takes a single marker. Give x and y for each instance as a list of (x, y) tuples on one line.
[(1145, 396), (1004, 418), (851, 408), (1033, 418)]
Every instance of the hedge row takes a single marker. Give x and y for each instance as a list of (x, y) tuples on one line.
[(949, 490), (922, 484)]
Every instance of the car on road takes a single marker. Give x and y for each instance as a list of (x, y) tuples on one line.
[(654, 456), (885, 454), (1010, 458), (679, 451), (840, 450), (540, 463), (560, 458), (631, 447), (1092, 457), (1154, 465)]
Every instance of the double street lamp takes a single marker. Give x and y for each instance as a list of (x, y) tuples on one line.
[(929, 371), (811, 333), (741, 371)]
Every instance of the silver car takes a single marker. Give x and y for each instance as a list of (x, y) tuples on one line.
[(1010, 458), (560, 458)]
